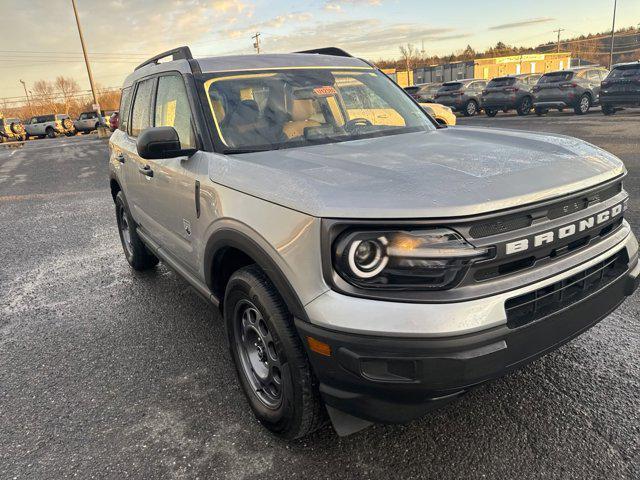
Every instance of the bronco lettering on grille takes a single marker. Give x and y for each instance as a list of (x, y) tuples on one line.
[(565, 231)]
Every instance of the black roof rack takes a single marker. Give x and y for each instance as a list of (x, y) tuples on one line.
[(180, 53), (335, 51)]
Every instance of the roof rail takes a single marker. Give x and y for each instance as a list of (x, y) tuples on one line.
[(335, 51), (180, 53)]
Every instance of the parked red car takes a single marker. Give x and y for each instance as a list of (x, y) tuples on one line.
[(114, 121)]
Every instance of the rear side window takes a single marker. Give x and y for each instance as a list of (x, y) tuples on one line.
[(173, 110), (501, 82), (141, 114), (556, 77), (451, 86), (125, 104)]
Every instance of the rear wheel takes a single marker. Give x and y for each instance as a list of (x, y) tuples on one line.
[(608, 109), (524, 107), (470, 109), (490, 112), (272, 366), (135, 251), (583, 105)]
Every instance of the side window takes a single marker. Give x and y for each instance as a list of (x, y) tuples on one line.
[(141, 116), (593, 76), (125, 104), (173, 110)]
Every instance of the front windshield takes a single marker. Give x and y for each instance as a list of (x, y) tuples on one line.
[(298, 107)]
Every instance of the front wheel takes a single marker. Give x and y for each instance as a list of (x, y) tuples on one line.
[(583, 106), (51, 133), (270, 361), (135, 251), (541, 111), (489, 112), (524, 108), (470, 109), (608, 109)]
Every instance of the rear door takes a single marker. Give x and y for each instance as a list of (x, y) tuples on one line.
[(594, 79), (135, 174)]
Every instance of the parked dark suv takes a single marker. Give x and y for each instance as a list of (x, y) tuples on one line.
[(578, 88), (425, 92), (462, 95), (510, 92), (621, 88)]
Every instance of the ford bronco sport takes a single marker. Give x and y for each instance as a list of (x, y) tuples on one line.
[(11, 129), (49, 126), (368, 262)]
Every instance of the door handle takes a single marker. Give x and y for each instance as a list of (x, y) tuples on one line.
[(120, 158), (146, 170)]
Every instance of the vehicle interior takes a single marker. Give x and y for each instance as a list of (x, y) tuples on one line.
[(298, 107)]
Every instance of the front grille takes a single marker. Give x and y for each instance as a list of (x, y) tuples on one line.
[(545, 301), (509, 223)]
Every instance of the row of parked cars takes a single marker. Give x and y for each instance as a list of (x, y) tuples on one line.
[(576, 88), (54, 125)]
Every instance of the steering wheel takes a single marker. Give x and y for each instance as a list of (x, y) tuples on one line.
[(356, 123)]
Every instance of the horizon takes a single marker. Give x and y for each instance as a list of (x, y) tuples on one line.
[(368, 28)]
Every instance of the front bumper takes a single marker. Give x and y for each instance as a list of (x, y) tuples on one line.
[(395, 379)]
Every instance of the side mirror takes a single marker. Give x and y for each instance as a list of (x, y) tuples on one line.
[(161, 142)]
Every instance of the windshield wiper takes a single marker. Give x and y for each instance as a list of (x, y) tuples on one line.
[(233, 151)]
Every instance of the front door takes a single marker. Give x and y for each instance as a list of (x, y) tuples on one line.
[(169, 199)]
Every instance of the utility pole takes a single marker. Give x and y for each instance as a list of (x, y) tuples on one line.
[(256, 44), (613, 33), (558, 32), (96, 105), (24, 85)]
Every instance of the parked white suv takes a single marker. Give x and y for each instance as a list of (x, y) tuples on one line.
[(49, 126)]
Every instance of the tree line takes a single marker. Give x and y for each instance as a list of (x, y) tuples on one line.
[(592, 47), (62, 95)]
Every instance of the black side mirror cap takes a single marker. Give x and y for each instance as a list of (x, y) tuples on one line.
[(161, 142)]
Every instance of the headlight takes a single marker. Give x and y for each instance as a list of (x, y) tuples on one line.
[(427, 259)]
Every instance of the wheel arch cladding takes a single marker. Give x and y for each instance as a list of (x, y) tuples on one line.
[(229, 249), (114, 186)]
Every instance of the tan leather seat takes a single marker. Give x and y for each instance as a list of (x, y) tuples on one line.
[(301, 112)]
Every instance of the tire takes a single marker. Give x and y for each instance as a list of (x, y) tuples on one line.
[(608, 109), (272, 367), (583, 105), (489, 112), (135, 251), (541, 111), (470, 109), (50, 132), (524, 107), (505, 110)]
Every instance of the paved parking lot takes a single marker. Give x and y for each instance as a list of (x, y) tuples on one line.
[(108, 373)]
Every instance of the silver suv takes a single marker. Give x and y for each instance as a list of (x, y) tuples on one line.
[(368, 263), (49, 126)]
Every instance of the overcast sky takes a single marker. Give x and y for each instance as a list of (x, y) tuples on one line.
[(122, 33)]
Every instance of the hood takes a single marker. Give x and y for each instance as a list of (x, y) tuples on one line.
[(436, 174)]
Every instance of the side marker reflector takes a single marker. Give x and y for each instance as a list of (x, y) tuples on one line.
[(319, 347)]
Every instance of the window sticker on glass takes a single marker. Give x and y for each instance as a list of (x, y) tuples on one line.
[(325, 91)]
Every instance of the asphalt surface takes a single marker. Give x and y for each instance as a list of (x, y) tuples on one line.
[(108, 373)]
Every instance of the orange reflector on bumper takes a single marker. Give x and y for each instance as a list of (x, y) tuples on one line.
[(319, 347)]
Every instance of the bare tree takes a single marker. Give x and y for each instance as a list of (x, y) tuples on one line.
[(44, 96), (68, 89), (409, 55)]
